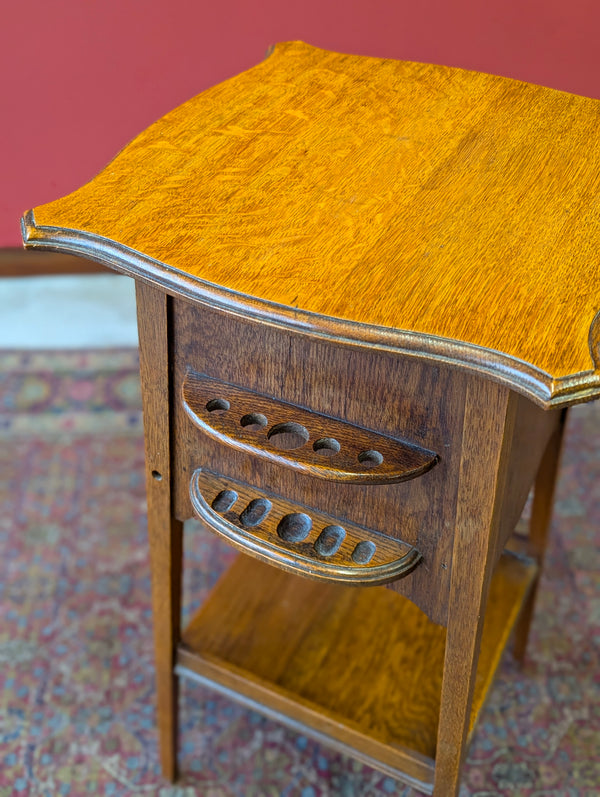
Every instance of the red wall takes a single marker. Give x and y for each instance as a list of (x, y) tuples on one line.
[(79, 78)]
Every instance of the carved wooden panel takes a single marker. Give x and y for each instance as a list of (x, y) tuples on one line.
[(298, 438), (295, 537)]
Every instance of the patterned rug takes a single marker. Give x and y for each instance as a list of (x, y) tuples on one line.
[(76, 673)]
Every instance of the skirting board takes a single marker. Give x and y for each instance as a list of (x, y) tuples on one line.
[(16, 262)]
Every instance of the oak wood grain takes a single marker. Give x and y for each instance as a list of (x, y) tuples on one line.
[(466, 229), (490, 441), (361, 667)]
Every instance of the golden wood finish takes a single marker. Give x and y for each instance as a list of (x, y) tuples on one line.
[(295, 437), (466, 229), (268, 634)]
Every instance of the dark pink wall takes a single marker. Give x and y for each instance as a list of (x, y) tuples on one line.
[(79, 78)]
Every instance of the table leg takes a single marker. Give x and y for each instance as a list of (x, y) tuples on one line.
[(166, 562), (487, 437), (539, 526), (165, 533)]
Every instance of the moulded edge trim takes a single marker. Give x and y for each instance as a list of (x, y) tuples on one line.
[(523, 377)]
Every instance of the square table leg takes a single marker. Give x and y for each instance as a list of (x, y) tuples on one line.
[(539, 526), (487, 432), (165, 533)]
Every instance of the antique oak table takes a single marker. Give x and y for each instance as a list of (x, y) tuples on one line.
[(367, 293)]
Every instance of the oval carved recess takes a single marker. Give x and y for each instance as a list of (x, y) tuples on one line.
[(298, 438), (298, 538)]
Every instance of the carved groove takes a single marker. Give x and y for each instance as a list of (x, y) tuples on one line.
[(329, 540), (256, 511), (298, 538), (224, 500), (298, 438), (364, 552), (294, 527)]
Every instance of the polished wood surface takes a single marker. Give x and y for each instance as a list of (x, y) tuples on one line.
[(453, 213), (330, 656), (395, 263)]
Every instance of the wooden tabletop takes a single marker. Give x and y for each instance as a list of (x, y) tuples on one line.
[(447, 213)]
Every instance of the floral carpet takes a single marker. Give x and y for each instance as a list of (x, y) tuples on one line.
[(76, 672)]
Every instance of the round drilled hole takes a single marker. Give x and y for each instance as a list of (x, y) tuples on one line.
[(288, 435), (253, 421), (294, 527), (218, 405), (363, 553), (370, 459), (326, 446), (224, 500), (329, 540), (157, 475)]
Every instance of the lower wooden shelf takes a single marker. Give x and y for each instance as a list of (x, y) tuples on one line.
[(360, 669)]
